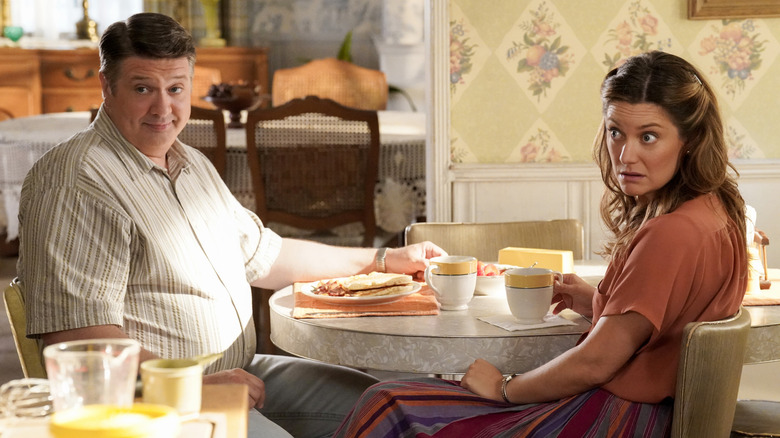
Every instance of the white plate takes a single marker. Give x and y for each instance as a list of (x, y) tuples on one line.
[(307, 288)]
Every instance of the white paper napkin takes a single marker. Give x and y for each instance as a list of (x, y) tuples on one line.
[(508, 322)]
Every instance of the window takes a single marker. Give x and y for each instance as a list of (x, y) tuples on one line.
[(56, 19)]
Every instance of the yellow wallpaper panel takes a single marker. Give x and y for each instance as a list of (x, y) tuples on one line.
[(525, 74)]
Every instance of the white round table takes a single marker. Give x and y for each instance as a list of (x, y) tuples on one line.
[(449, 342), (442, 344)]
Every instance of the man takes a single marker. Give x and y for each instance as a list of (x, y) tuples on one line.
[(126, 232)]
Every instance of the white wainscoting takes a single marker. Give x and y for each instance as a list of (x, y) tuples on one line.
[(497, 193)]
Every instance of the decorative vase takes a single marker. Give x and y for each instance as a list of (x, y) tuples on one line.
[(213, 36), (13, 33), (86, 28)]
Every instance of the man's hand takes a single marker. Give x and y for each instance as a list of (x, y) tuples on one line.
[(237, 375), (412, 259)]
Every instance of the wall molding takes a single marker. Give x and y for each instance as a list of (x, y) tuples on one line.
[(437, 37), (509, 192)]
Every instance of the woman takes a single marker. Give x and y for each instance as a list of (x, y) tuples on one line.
[(677, 254)]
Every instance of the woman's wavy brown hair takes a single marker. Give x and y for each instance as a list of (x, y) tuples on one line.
[(679, 89)]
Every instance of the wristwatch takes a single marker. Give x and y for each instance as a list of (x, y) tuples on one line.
[(503, 386), (379, 261)]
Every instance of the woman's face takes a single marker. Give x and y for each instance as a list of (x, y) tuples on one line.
[(644, 147)]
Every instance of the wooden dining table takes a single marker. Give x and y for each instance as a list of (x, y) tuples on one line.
[(446, 344)]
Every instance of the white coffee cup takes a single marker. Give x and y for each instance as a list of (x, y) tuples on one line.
[(452, 279), (173, 382), (529, 293)]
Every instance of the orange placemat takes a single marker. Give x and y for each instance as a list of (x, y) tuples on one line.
[(420, 303)]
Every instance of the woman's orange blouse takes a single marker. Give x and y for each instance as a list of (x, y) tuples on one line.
[(684, 266)]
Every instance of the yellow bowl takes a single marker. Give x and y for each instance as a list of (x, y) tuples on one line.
[(105, 421)]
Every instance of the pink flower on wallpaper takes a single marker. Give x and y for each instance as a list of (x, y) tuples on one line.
[(649, 24), (553, 156), (539, 149), (735, 48), (542, 28), (624, 35), (633, 35), (541, 54), (529, 152)]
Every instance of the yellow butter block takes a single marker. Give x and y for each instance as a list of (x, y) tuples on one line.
[(557, 260)]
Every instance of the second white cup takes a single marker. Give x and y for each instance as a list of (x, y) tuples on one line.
[(453, 279), (529, 293)]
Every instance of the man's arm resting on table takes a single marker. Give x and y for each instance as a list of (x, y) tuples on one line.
[(304, 260)]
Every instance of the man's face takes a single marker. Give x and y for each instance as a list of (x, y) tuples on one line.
[(150, 102)]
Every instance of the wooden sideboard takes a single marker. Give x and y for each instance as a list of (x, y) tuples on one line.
[(34, 81)]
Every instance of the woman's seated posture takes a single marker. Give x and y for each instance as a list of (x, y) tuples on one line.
[(677, 254)]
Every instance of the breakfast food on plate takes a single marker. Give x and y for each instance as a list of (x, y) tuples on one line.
[(488, 269), (363, 285)]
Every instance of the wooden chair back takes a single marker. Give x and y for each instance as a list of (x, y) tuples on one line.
[(205, 131), (708, 375), (202, 79), (5, 114), (28, 349), (330, 78), (314, 164)]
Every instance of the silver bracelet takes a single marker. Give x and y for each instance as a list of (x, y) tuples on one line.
[(503, 386), (379, 260)]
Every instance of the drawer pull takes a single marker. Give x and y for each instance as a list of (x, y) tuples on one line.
[(69, 74)]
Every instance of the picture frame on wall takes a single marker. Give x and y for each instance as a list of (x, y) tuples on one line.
[(719, 9)]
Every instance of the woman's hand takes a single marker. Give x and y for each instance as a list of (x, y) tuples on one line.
[(412, 259), (237, 375), (483, 379), (575, 294)]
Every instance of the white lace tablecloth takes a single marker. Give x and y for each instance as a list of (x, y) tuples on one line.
[(400, 191), (22, 142)]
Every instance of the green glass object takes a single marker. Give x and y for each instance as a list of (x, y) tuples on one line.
[(13, 33)]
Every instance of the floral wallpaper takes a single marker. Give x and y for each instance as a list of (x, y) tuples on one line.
[(524, 75), (733, 53), (637, 28), (540, 51)]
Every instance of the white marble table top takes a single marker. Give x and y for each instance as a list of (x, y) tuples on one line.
[(443, 344), (449, 342)]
